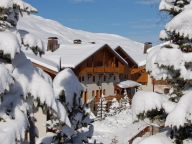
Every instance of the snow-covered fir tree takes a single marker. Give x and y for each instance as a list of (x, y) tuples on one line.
[(22, 87), (102, 108), (68, 90), (125, 101), (149, 105), (171, 61), (114, 107), (175, 43)]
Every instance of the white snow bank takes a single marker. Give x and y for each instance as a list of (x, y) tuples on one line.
[(5, 79), (160, 138), (146, 101), (67, 81), (9, 44), (119, 127), (128, 84), (182, 112)]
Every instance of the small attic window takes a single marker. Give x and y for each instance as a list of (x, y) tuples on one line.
[(52, 44), (77, 41)]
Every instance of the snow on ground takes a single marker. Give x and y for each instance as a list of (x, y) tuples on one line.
[(119, 127)]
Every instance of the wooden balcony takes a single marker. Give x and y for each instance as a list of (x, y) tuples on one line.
[(143, 78), (90, 70)]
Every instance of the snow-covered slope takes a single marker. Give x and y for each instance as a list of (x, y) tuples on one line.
[(43, 28)]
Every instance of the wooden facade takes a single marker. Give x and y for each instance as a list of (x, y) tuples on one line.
[(103, 61), (100, 72), (136, 73)]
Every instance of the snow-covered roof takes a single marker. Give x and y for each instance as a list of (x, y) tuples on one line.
[(128, 84), (74, 54), (43, 28), (182, 24), (43, 62)]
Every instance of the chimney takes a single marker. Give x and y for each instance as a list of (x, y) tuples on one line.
[(147, 45), (52, 44)]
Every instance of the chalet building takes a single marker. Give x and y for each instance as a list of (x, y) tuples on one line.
[(100, 68)]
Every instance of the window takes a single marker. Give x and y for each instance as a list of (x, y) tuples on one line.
[(100, 93), (93, 93), (89, 76), (114, 78), (116, 63), (82, 78), (85, 97), (166, 90), (104, 78), (93, 78), (103, 91)]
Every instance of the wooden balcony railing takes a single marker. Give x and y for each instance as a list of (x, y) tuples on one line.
[(102, 70)]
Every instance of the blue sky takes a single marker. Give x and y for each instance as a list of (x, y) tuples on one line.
[(139, 20)]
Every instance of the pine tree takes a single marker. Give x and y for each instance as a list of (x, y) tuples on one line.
[(114, 107), (169, 64), (69, 94), (101, 108), (174, 40), (125, 101), (22, 87)]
